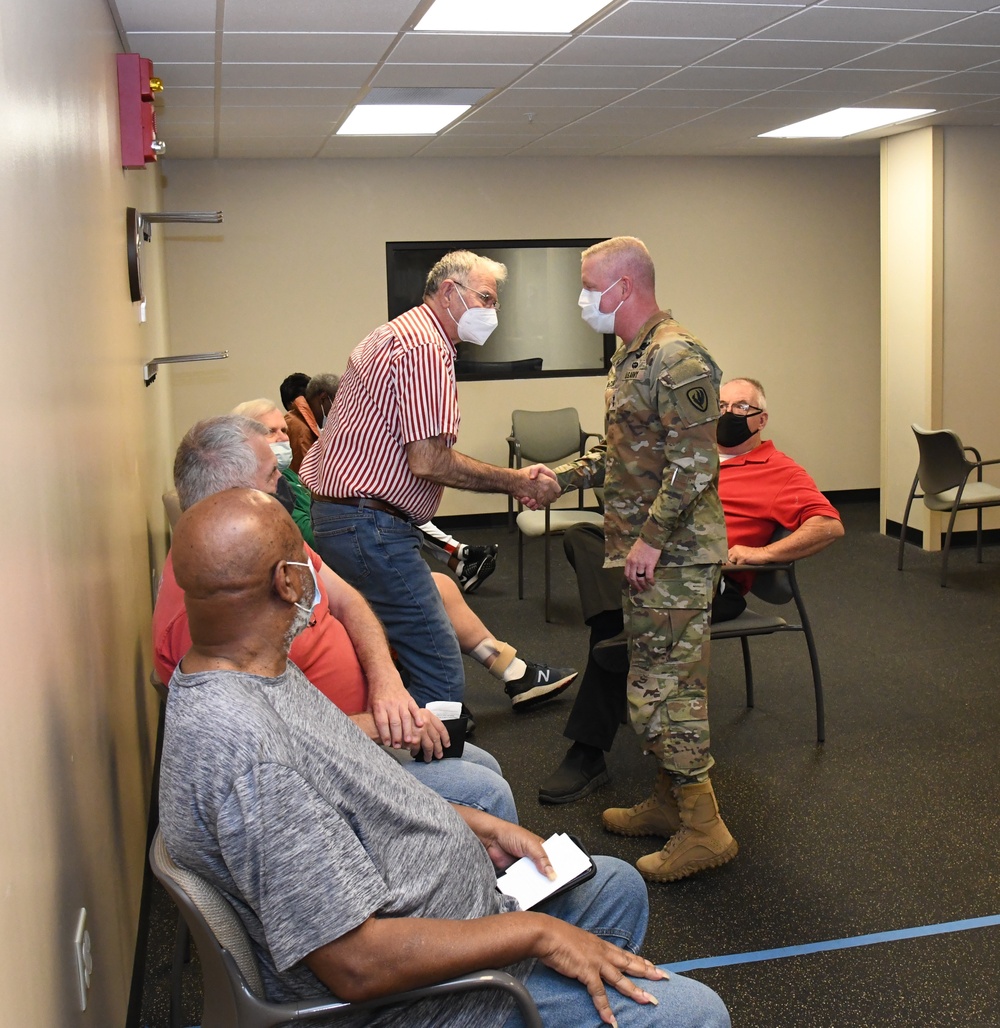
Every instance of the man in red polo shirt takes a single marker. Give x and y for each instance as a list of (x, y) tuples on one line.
[(761, 489)]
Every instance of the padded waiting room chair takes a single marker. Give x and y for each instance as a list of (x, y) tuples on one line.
[(776, 585), (943, 474), (546, 437), (233, 988)]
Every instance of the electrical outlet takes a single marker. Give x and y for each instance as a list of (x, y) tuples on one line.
[(82, 954)]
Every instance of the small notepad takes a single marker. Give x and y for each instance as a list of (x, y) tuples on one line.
[(529, 886)]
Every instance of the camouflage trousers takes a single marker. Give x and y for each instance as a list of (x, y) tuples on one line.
[(668, 628)]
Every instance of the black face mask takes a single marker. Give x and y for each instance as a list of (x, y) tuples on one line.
[(732, 430)]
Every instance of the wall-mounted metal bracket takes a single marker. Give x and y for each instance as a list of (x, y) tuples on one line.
[(138, 230), (149, 369)]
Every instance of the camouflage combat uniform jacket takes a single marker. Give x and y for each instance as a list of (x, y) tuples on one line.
[(659, 463)]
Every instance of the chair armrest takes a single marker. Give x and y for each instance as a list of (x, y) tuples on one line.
[(513, 451), (784, 565)]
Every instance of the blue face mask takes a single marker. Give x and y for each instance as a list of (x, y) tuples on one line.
[(283, 451), (316, 596)]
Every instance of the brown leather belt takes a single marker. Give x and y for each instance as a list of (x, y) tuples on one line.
[(363, 503)]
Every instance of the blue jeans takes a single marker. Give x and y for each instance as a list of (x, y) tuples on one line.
[(614, 906), (472, 780), (379, 555)]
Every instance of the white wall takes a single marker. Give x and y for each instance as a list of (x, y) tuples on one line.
[(80, 523), (773, 263)]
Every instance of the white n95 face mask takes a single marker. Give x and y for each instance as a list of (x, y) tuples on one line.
[(476, 324), (590, 309)]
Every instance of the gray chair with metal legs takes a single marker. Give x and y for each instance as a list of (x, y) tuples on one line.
[(943, 474), (777, 585), (546, 437), (233, 989)]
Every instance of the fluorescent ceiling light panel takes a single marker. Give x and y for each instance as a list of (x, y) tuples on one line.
[(847, 121), (400, 119), (525, 16)]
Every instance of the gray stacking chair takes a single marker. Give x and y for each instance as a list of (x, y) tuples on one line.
[(777, 585), (546, 437), (943, 473), (233, 989)]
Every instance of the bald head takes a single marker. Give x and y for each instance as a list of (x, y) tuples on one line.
[(230, 554)]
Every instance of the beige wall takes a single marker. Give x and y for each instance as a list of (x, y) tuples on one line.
[(84, 440), (773, 263), (940, 304)]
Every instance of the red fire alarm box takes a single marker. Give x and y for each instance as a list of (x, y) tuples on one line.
[(136, 86)]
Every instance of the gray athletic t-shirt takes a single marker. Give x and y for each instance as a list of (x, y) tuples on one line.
[(275, 796)]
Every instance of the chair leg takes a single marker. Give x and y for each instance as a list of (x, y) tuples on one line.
[(747, 668), (979, 535), (520, 564), (906, 518), (947, 543), (548, 574), (813, 662)]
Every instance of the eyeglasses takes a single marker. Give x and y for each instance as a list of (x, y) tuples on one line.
[(741, 410), (488, 299)]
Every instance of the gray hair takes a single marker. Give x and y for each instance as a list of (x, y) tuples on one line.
[(215, 455), (458, 265), (325, 383), (757, 387), (255, 409)]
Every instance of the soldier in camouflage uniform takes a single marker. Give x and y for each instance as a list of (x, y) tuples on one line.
[(663, 524)]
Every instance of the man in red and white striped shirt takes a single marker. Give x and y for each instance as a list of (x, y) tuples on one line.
[(385, 455)]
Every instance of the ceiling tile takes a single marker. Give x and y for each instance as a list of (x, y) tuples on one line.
[(310, 16), (290, 75), (867, 26), (185, 74), (462, 48), (264, 96), (174, 46), (749, 79), (572, 76), (656, 53), (779, 53), (185, 96), (718, 20), (980, 82), (557, 97), (329, 47), (860, 80), (285, 121), (451, 75), (981, 29), (176, 16), (910, 56)]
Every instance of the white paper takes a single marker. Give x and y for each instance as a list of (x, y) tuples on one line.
[(529, 886), (446, 710)]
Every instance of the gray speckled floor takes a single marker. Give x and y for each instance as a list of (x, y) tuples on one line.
[(891, 824)]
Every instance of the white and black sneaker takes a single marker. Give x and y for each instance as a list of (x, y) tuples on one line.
[(478, 564), (538, 684)]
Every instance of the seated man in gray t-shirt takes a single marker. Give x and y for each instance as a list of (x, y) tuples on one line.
[(350, 876)]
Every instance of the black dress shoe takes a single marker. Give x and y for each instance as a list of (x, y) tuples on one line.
[(582, 772)]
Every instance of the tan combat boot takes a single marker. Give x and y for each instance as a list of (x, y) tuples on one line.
[(657, 815), (703, 840)]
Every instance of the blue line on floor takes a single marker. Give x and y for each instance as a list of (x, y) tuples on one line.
[(820, 947)]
